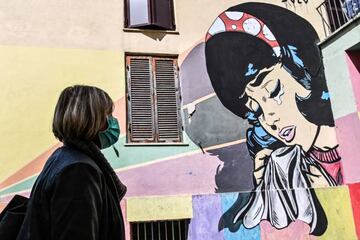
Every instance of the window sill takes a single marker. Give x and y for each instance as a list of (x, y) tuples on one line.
[(155, 144), (151, 31)]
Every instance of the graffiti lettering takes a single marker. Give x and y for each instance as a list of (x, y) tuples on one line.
[(295, 1)]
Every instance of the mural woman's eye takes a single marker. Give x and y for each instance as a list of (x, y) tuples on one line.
[(258, 112), (254, 107), (277, 92)]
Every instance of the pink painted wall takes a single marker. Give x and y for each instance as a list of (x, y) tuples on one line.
[(348, 127), (185, 174), (353, 62), (348, 135)]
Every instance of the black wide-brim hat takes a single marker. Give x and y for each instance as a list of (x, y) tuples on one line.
[(289, 30)]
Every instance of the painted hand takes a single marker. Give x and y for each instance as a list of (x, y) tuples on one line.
[(259, 164)]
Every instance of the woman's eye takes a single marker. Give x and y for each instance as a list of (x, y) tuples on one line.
[(255, 108), (277, 92), (258, 112)]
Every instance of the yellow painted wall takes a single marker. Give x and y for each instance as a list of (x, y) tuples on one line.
[(337, 206), (31, 81), (159, 208)]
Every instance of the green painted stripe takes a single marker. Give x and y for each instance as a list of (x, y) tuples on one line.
[(132, 155), (18, 187), (129, 156)]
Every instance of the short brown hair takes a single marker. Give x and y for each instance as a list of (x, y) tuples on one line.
[(81, 112)]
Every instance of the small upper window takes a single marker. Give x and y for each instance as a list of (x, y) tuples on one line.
[(149, 14)]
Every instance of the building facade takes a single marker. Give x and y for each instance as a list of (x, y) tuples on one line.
[(239, 120)]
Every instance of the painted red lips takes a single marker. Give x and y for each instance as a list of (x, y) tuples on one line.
[(287, 133)]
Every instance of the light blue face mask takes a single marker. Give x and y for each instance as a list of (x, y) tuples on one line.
[(111, 135)]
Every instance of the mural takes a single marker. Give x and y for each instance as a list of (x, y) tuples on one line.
[(265, 67), (245, 177)]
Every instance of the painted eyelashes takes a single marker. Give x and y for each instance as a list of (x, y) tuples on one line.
[(277, 92)]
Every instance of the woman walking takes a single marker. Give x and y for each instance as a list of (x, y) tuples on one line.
[(77, 195)]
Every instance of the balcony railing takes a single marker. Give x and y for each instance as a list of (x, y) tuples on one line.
[(336, 13)]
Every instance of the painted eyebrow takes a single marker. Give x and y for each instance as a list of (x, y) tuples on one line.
[(249, 90), (259, 79), (265, 84)]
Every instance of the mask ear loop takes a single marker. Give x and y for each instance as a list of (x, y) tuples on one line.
[(116, 151)]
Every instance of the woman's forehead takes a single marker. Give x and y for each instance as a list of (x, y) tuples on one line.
[(264, 77), (261, 78)]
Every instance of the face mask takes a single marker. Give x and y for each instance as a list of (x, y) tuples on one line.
[(110, 136)]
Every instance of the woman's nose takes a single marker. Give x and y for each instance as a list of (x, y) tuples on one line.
[(269, 117), (270, 121)]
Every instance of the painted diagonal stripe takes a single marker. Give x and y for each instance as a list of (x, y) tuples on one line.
[(36, 165), (189, 174), (183, 170), (129, 156), (19, 187)]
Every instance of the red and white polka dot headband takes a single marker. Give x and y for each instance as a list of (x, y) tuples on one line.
[(231, 21)]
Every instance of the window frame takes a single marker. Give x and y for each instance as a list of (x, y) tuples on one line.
[(156, 140), (151, 25)]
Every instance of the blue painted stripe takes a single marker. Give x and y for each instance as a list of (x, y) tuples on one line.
[(227, 200)]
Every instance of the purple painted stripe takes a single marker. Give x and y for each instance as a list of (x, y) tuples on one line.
[(194, 78), (193, 174), (207, 212)]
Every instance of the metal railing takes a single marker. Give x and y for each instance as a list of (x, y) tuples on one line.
[(336, 13), (160, 230)]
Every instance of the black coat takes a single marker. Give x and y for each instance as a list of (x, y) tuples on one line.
[(75, 197)]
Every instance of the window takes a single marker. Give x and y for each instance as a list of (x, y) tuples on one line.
[(153, 104), (160, 230), (149, 14)]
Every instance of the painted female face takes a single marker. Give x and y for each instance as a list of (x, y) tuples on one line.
[(272, 97)]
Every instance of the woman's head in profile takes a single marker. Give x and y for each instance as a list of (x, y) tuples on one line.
[(83, 113)]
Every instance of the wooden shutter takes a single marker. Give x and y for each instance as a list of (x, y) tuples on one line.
[(140, 99), (167, 96), (162, 14)]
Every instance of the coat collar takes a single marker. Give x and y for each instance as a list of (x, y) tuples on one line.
[(117, 188)]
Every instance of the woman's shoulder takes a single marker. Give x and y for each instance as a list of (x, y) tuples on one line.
[(65, 158), (66, 165)]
